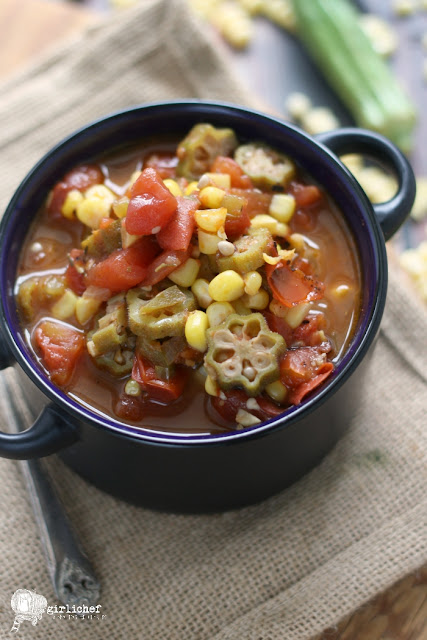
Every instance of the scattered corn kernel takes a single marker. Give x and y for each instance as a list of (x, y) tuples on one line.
[(234, 24), (195, 330), (277, 391), (253, 282), (86, 307), (263, 220), (186, 274), (226, 286), (353, 162), (258, 301), (120, 207), (281, 12), (251, 6), (380, 33), (296, 315), (340, 290), (73, 199), (173, 187), (127, 238), (64, 307), (221, 180), (211, 197), (200, 289), (208, 242), (297, 105), (297, 241), (191, 188), (378, 185), (246, 419), (134, 177), (96, 205), (282, 207), (210, 220), (319, 119), (217, 312), (211, 386), (132, 388)]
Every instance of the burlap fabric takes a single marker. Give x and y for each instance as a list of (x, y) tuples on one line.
[(283, 569)]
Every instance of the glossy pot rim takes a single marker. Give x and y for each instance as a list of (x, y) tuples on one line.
[(369, 318)]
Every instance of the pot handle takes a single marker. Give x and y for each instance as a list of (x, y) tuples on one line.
[(49, 433), (390, 214)]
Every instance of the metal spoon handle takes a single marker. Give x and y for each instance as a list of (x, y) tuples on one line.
[(72, 576)]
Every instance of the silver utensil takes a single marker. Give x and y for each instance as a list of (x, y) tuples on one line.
[(72, 576)]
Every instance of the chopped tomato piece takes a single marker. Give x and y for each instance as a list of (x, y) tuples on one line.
[(279, 325), (298, 394), (74, 277), (179, 230), (305, 195), (302, 370), (151, 204), (236, 226), (239, 179), (164, 163), (60, 347), (124, 268), (228, 407), (80, 178), (129, 407), (164, 391), (163, 265), (256, 200), (291, 286)]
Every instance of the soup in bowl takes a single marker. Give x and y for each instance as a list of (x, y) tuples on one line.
[(196, 295)]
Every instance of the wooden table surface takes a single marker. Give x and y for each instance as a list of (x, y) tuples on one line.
[(28, 27)]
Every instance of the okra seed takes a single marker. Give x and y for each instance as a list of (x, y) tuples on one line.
[(226, 248)]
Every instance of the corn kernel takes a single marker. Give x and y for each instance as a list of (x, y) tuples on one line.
[(282, 207), (73, 199), (134, 177), (208, 242), (263, 220), (200, 289), (217, 312), (340, 290), (253, 282), (278, 309), (195, 330), (226, 286), (127, 238), (258, 301), (221, 180), (211, 386), (277, 391), (86, 307), (65, 306), (211, 197), (320, 119), (173, 187), (297, 105), (210, 220), (191, 188), (132, 388), (246, 419), (120, 207), (186, 273), (91, 211), (296, 314)]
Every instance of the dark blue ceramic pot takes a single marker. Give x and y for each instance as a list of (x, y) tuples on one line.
[(204, 473)]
